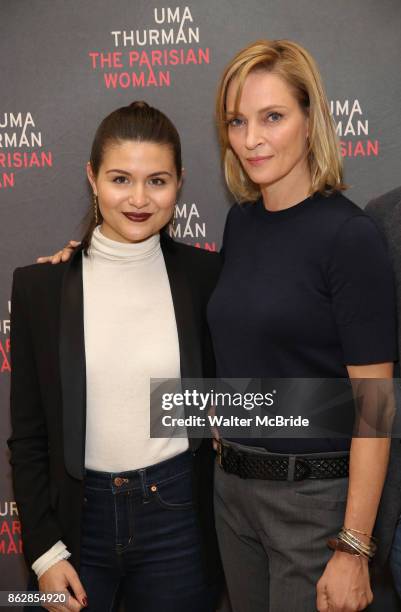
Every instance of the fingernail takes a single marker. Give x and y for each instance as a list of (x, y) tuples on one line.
[(84, 601)]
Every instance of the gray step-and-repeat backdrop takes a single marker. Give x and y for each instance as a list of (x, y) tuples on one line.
[(66, 64)]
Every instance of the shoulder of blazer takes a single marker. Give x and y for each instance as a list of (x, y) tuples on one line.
[(39, 278), (36, 277)]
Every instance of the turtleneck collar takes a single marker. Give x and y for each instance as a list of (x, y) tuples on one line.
[(112, 250)]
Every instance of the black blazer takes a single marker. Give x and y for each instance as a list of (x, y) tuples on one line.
[(386, 212), (48, 394)]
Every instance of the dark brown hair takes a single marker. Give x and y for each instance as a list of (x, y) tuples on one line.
[(138, 122)]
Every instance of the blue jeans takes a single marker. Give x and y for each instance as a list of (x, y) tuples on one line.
[(395, 558), (140, 541)]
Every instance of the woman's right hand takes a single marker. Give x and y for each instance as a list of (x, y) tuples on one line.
[(59, 578), (63, 255)]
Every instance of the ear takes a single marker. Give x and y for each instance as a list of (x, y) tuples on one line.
[(181, 179), (91, 177)]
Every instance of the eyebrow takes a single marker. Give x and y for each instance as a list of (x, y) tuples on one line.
[(262, 110), (129, 174)]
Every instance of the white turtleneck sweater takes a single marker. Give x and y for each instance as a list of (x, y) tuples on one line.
[(130, 337)]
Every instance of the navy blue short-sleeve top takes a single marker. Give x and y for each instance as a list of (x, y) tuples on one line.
[(303, 292)]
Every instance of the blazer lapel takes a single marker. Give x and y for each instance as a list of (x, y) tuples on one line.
[(72, 367), (187, 325), (189, 335)]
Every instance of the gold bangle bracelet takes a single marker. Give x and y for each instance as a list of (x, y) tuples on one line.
[(357, 542), (360, 533), (365, 550), (371, 546)]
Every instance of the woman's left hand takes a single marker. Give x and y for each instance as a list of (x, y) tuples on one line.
[(63, 255), (344, 585)]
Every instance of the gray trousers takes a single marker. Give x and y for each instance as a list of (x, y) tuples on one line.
[(272, 537)]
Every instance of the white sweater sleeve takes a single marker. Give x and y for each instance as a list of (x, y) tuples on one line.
[(58, 552)]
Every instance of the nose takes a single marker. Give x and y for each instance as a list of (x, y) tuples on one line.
[(253, 135), (138, 196)]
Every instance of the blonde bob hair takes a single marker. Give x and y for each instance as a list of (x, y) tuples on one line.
[(298, 69)]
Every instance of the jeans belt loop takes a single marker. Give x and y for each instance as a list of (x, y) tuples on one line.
[(291, 467)]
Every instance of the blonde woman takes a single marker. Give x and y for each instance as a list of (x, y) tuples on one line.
[(305, 292)]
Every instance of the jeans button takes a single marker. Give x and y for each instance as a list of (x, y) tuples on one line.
[(119, 481)]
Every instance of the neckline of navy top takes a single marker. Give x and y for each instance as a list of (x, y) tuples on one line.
[(281, 215)]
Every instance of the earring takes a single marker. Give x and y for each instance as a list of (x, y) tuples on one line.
[(173, 221), (95, 208)]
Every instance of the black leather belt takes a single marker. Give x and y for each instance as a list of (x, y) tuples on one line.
[(269, 466)]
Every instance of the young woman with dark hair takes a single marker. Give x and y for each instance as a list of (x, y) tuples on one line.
[(106, 511)]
